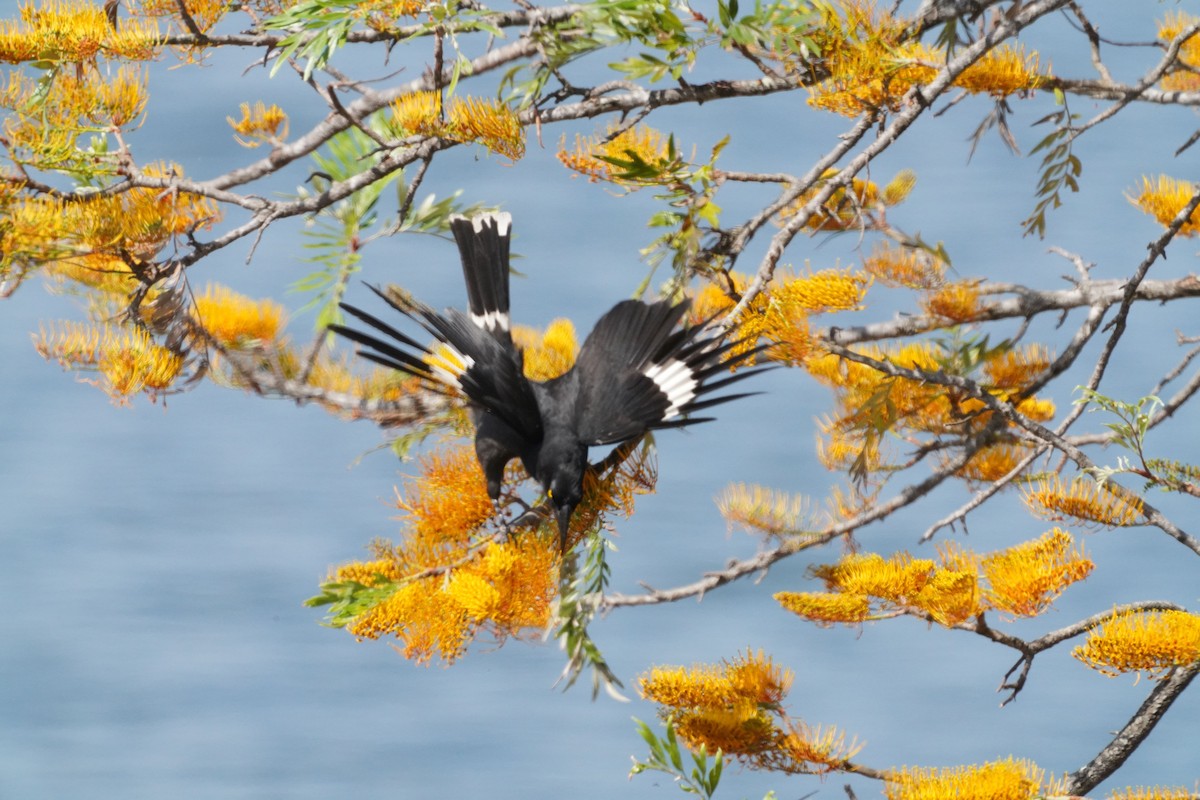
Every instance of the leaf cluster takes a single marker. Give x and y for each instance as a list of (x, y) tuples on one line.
[(699, 778)]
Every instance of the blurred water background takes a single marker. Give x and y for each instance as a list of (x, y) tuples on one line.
[(155, 557)]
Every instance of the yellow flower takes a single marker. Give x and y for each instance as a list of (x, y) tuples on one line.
[(736, 708), (761, 510), (419, 113), (812, 750), (368, 573), (1181, 80), (550, 353), (525, 572), (506, 589), (823, 291), (827, 607), (423, 617), (382, 15), (870, 62), (947, 592), (1017, 368), (955, 302), (448, 501), (1084, 500), (49, 114), (1037, 409), (1154, 793), (908, 267), (856, 206), (1010, 779), (992, 463), (487, 122), (128, 359), (260, 124), (701, 686), (33, 230), (950, 596), (741, 730), (842, 447), (1003, 71), (1165, 198), (750, 678), (1024, 580), (235, 320), (755, 677), (474, 593), (780, 314), (897, 580), (712, 300), (1153, 642), (640, 143), (205, 13), (74, 31)]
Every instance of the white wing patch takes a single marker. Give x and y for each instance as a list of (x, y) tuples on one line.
[(676, 380)]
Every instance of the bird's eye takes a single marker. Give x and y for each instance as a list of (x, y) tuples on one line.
[(550, 493)]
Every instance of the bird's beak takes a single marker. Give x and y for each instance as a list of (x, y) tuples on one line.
[(564, 523)]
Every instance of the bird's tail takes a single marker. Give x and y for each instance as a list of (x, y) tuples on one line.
[(483, 243)]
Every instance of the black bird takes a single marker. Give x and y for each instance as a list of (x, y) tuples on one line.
[(638, 370)]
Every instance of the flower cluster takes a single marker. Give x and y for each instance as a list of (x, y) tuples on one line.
[(260, 124), (1153, 642), (1084, 500), (735, 708), (765, 511), (1008, 779), (487, 122), (383, 15), (1165, 198), (204, 13), (1154, 793), (873, 63), (1186, 77), (954, 303), (1021, 581), (234, 320), (905, 267), (634, 156), (74, 31), (859, 205), (780, 313), (135, 224), (442, 587), (128, 360), (869, 401)]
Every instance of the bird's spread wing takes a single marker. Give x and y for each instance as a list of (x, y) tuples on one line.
[(474, 353), (638, 371)]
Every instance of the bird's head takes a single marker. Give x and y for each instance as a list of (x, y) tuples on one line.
[(564, 496), (561, 475)]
